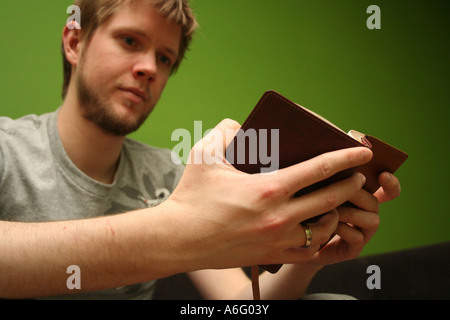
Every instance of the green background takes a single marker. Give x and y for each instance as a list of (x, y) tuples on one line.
[(392, 83)]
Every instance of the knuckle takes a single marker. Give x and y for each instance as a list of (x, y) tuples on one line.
[(272, 190), (272, 226), (375, 222), (359, 239), (359, 245), (323, 237), (334, 214), (324, 168), (376, 207), (266, 193), (331, 199), (325, 227)]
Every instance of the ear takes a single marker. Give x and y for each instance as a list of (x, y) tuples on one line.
[(72, 43)]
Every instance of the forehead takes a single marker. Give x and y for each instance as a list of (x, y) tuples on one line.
[(143, 18)]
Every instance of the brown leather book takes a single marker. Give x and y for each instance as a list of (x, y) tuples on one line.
[(279, 133)]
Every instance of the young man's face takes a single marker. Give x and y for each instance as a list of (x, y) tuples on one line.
[(125, 67)]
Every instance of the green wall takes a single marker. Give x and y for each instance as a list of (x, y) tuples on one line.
[(392, 83)]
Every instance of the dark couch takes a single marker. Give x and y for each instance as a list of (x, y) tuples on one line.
[(418, 273)]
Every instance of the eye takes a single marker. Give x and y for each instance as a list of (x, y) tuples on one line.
[(131, 42), (165, 60)]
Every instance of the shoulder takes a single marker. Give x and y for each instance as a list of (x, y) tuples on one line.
[(30, 129), (23, 141), (28, 122)]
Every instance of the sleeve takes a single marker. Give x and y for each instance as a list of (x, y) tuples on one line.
[(3, 135), (1, 159)]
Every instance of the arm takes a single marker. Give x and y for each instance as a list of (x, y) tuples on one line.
[(205, 224), (290, 282), (110, 251)]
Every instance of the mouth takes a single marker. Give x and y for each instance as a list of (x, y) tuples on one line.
[(136, 95)]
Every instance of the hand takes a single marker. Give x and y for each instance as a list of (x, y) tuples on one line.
[(230, 218), (356, 227)]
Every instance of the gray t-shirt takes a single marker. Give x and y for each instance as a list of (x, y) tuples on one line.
[(39, 182)]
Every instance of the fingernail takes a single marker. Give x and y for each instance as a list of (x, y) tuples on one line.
[(387, 178), (362, 178)]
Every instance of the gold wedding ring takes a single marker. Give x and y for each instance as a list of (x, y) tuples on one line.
[(308, 233)]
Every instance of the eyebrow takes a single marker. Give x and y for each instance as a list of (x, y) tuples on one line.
[(144, 35)]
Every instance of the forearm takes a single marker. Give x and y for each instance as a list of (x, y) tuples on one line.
[(110, 251), (291, 282)]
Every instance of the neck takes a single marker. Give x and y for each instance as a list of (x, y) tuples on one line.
[(94, 151)]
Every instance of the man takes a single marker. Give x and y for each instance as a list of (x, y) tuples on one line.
[(70, 180)]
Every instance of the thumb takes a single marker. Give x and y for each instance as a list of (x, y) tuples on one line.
[(212, 147), (228, 129)]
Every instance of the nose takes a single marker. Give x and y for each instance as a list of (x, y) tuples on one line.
[(146, 68)]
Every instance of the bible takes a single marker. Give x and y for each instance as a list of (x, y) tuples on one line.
[(302, 135)]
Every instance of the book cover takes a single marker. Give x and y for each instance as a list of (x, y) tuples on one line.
[(279, 133)]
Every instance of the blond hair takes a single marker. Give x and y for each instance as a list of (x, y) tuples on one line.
[(96, 12)]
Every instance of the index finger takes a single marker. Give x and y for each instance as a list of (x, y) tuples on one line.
[(304, 174)]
